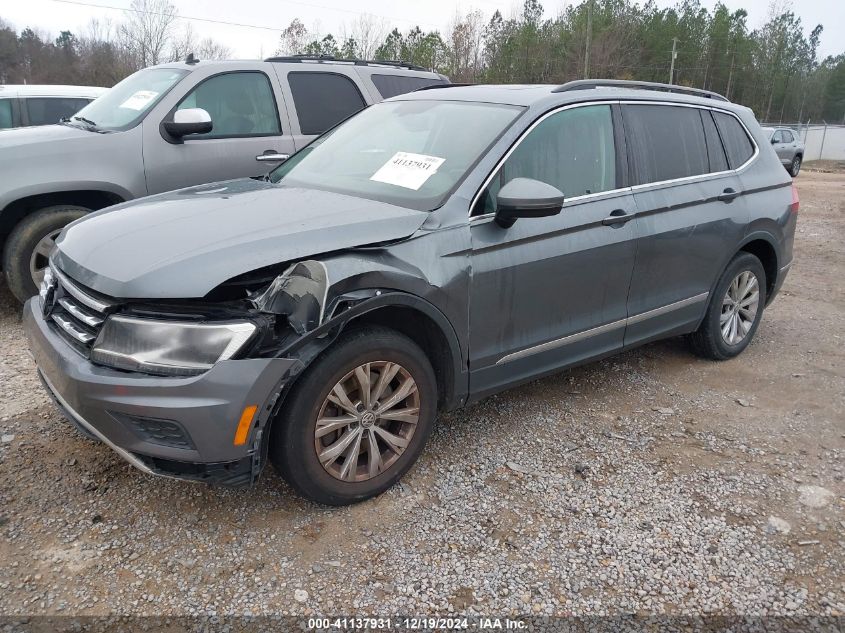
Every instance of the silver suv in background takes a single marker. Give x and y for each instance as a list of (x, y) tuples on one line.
[(42, 105), (788, 146), (173, 126)]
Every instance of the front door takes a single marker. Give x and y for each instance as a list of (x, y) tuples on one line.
[(549, 292), (246, 125)]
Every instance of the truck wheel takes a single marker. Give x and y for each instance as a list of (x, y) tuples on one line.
[(357, 419), (795, 167), (734, 312), (29, 246)]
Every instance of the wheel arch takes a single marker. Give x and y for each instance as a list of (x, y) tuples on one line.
[(763, 247), (94, 199)]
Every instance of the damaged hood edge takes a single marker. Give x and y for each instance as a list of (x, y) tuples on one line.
[(183, 244)]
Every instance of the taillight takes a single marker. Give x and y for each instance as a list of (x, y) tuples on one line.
[(793, 207)]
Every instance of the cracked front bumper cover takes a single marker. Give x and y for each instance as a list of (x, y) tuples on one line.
[(101, 402)]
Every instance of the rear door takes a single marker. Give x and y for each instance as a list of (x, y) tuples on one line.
[(548, 292), (320, 98), (247, 114), (690, 214)]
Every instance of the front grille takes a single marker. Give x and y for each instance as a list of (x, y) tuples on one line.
[(76, 313)]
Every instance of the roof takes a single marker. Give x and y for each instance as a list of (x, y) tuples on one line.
[(552, 94), (21, 90)]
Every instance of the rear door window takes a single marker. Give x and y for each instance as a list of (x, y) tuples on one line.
[(737, 144), (392, 85), (46, 110), (241, 104), (786, 136), (665, 142), (323, 100)]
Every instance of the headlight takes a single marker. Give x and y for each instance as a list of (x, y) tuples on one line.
[(168, 348)]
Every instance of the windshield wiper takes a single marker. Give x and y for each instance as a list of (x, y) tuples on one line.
[(84, 120)]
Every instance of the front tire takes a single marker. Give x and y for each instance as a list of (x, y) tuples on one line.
[(29, 245), (357, 419), (795, 166), (734, 311)]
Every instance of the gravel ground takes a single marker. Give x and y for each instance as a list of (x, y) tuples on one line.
[(651, 483)]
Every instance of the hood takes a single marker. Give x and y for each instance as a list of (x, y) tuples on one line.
[(31, 140), (184, 243)]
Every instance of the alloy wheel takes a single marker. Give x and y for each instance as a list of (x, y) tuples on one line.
[(367, 421), (739, 307), (40, 256)]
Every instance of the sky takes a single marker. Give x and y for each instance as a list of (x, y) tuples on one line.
[(331, 16)]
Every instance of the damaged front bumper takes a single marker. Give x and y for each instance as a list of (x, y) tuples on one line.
[(177, 427)]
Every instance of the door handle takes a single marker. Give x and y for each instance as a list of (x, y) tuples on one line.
[(727, 195), (271, 156), (617, 218)]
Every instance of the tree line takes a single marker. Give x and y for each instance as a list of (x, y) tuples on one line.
[(105, 52), (775, 69)]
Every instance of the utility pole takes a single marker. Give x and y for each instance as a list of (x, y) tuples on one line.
[(674, 55), (589, 37)]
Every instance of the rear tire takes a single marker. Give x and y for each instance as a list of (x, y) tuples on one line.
[(27, 248), (301, 450), (729, 325), (795, 166)]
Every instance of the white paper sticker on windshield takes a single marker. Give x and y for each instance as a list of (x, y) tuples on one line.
[(408, 170), (139, 100)]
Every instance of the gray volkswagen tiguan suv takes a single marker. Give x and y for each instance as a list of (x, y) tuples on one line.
[(432, 250)]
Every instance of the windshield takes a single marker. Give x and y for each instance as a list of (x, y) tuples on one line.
[(125, 104), (407, 153)]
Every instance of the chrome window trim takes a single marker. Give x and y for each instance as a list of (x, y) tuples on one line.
[(633, 188), (601, 329)]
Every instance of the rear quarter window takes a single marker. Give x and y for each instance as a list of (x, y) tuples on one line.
[(322, 100), (738, 146), (392, 85)]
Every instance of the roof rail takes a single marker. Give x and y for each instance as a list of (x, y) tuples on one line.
[(331, 59), (587, 84)]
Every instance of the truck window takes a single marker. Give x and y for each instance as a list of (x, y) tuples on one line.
[(240, 104), (323, 100), (46, 110)]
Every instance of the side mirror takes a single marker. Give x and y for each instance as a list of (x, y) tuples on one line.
[(189, 121), (774, 141), (526, 198)]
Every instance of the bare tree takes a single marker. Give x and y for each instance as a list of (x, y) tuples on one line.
[(365, 35), (466, 46), (212, 49), (148, 31)]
